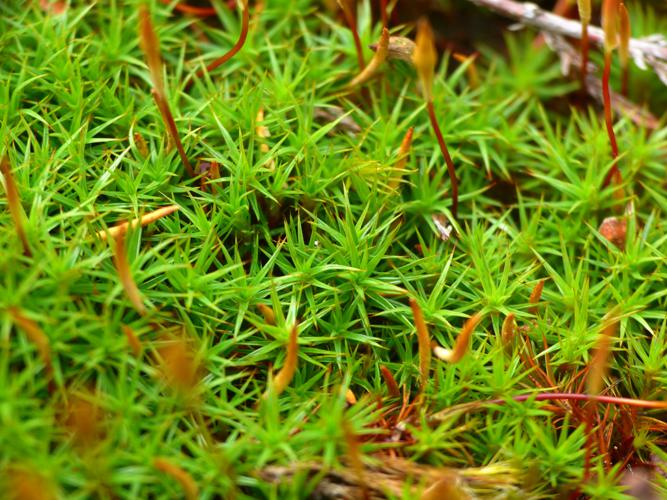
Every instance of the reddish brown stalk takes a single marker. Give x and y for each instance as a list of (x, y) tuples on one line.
[(245, 20), (390, 382), (168, 118), (573, 396), (608, 118), (448, 158), (187, 483), (584, 54), (383, 13), (14, 203), (349, 12), (150, 45)]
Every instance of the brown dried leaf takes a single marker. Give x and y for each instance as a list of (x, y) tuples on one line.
[(449, 487), (399, 47), (614, 230)]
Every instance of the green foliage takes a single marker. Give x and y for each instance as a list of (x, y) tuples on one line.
[(311, 228)]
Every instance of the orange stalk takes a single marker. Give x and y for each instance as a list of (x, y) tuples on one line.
[(536, 295), (121, 229), (125, 275), (187, 483), (24, 482), (471, 69), (599, 361), (14, 203), (132, 340), (178, 364), (286, 373), (390, 382), (267, 312), (82, 417), (508, 329), (403, 152), (424, 342), (378, 58), (462, 341)]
